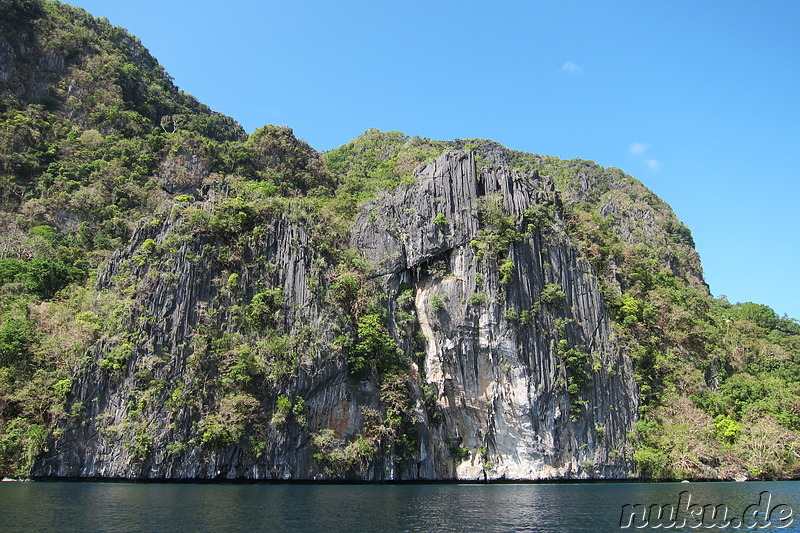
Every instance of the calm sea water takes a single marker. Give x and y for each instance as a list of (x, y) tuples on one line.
[(115, 507)]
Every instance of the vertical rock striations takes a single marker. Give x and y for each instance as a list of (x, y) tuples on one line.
[(230, 359), (497, 349)]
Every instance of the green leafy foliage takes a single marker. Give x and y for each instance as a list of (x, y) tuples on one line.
[(373, 162), (459, 452), (374, 349), (552, 294), (506, 270), (291, 165), (437, 303), (264, 307), (338, 456), (16, 337), (477, 299), (405, 313), (727, 430), (441, 222), (228, 423), (286, 409), (498, 231)]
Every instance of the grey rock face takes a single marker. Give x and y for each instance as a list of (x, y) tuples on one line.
[(501, 379), (514, 369)]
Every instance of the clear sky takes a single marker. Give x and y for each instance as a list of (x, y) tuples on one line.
[(698, 100)]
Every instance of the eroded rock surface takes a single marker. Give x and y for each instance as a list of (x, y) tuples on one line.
[(513, 370)]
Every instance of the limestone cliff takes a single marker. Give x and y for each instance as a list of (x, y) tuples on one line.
[(510, 373), (182, 300)]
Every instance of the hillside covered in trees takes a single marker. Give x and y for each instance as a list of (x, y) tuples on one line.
[(179, 299)]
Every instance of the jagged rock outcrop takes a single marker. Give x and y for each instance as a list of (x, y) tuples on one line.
[(182, 300), (500, 381), (230, 357)]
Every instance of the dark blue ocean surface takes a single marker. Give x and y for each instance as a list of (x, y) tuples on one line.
[(84, 507)]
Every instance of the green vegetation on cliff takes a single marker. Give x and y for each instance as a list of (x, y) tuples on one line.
[(718, 382), (96, 140)]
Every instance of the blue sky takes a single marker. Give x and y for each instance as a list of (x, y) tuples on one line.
[(698, 100)]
